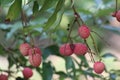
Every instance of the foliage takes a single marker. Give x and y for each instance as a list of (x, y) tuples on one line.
[(47, 22)]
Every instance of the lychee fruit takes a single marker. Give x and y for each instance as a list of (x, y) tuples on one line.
[(35, 50), (80, 49), (84, 32), (35, 59), (27, 72), (3, 77), (99, 67), (118, 15), (24, 49), (66, 49)]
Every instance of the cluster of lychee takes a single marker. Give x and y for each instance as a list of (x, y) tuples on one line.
[(34, 53), (116, 14), (81, 48)]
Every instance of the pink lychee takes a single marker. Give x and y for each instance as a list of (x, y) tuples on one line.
[(27, 72), (3, 77), (66, 49), (35, 59), (80, 49), (24, 49), (99, 67), (35, 50), (84, 32)]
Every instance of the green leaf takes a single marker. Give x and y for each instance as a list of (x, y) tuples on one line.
[(53, 49), (84, 61), (35, 7), (62, 75), (14, 10), (69, 63), (53, 18), (47, 4), (47, 71), (104, 12), (5, 2)]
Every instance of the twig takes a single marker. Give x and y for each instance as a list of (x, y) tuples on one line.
[(95, 46), (90, 51)]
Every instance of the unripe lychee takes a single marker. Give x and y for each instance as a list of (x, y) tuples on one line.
[(27, 72), (35, 59), (84, 31), (66, 49), (99, 67), (3, 77), (24, 49), (35, 50), (80, 49), (118, 15)]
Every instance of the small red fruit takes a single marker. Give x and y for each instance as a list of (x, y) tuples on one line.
[(35, 59), (35, 50), (24, 49), (118, 15), (3, 77), (66, 49), (27, 72), (80, 49), (84, 31), (99, 67)]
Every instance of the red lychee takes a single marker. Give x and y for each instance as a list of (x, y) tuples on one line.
[(27, 72), (118, 15), (35, 59), (99, 67), (66, 49), (24, 49), (35, 50), (80, 49), (84, 32), (3, 77)]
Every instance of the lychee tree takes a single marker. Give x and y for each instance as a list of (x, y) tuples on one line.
[(57, 39)]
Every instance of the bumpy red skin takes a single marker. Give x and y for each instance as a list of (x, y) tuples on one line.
[(80, 49), (35, 50), (35, 59), (3, 77), (118, 15), (99, 67), (84, 32), (66, 50), (27, 72), (24, 49)]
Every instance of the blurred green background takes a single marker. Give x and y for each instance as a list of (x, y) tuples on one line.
[(47, 22)]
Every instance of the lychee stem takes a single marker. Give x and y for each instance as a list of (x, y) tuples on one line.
[(92, 58), (95, 46), (76, 14)]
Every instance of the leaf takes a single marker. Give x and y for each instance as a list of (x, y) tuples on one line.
[(35, 7), (47, 4), (84, 61), (53, 18), (47, 71), (62, 75), (69, 63), (14, 10), (53, 49)]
